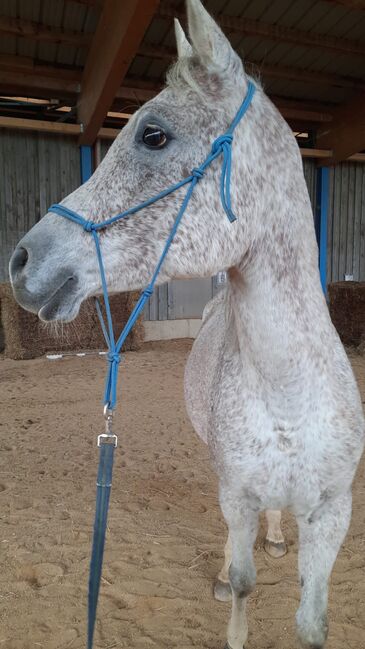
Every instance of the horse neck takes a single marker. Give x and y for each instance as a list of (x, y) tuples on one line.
[(275, 295)]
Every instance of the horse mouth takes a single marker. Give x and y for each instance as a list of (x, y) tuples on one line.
[(64, 303)]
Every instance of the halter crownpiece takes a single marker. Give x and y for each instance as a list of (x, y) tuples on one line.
[(108, 441)]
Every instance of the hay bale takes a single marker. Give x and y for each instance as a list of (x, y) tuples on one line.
[(2, 337), (347, 309), (27, 337)]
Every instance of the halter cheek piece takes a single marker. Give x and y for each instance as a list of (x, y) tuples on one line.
[(108, 441)]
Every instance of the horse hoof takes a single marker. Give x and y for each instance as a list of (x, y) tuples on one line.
[(275, 550), (222, 592)]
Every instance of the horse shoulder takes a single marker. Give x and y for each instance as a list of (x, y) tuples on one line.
[(201, 366)]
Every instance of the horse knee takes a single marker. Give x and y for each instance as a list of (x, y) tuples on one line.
[(242, 581)]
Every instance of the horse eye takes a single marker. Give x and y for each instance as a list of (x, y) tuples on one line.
[(154, 136)]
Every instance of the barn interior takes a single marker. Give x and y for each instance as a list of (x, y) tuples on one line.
[(91, 64), (73, 71)]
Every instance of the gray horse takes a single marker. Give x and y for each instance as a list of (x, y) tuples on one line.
[(268, 383)]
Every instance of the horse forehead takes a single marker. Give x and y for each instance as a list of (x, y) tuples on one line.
[(176, 104)]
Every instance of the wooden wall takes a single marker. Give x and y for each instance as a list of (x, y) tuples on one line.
[(346, 223), (310, 175), (36, 170)]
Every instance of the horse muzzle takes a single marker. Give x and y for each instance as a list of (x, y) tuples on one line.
[(52, 295)]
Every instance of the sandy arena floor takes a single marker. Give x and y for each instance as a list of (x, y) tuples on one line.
[(166, 533)]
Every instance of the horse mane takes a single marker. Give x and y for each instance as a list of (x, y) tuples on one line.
[(187, 72), (183, 72)]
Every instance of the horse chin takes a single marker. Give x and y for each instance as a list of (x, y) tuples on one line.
[(54, 311), (63, 305), (60, 304)]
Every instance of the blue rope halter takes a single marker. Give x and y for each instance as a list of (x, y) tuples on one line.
[(107, 442)]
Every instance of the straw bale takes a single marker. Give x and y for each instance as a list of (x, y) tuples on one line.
[(347, 309), (27, 337)]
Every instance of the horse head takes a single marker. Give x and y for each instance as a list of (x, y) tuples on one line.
[(54, 267)]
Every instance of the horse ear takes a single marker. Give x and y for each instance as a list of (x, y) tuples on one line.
[(209, 43), (184, 48)]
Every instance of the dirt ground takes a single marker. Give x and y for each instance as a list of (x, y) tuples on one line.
[(166, 533)]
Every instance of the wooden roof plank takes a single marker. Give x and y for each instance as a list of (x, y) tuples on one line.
[(276, 32), (42, 33), (111, 133), (120, 31), (346, 133), (27, 65), (350, 4), (90, 3), (37, 84), (271, 71), (29, 79), (39, 125)]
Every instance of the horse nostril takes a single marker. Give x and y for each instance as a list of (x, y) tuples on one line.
[(23, 256), (18, 260)]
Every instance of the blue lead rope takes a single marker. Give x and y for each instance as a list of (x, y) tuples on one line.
[(107, 442), (103, 487)]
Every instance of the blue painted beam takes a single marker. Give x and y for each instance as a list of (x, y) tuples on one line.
[(323, 187), (86, 162)]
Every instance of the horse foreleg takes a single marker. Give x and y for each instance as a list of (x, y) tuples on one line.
[(320, 538), (242, 524), (275, 544)]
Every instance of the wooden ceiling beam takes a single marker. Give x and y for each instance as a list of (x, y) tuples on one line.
[(138, 95), (290, 109), (278, 33), (20, 74), (61, 128), (90, 3), (350, 4), (42, 33), (37, 85), (267, 70), (51, 81), (346, 133), (39, 125), (27, 66), (308, 76), (299, 114), (138, 90), (58, 128), (118, 36)]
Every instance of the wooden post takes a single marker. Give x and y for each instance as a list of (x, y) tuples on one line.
[(86, 163), (322, 208)]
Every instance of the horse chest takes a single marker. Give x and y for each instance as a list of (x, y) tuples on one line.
[(281, 458)]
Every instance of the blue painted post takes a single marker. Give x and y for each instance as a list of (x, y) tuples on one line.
[(323, 175), (86, 162)]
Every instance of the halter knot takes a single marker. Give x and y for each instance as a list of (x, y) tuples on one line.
[(114, 357), (89, 226), (197, 173), (148, 291), (218, 144), (223, 144)]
